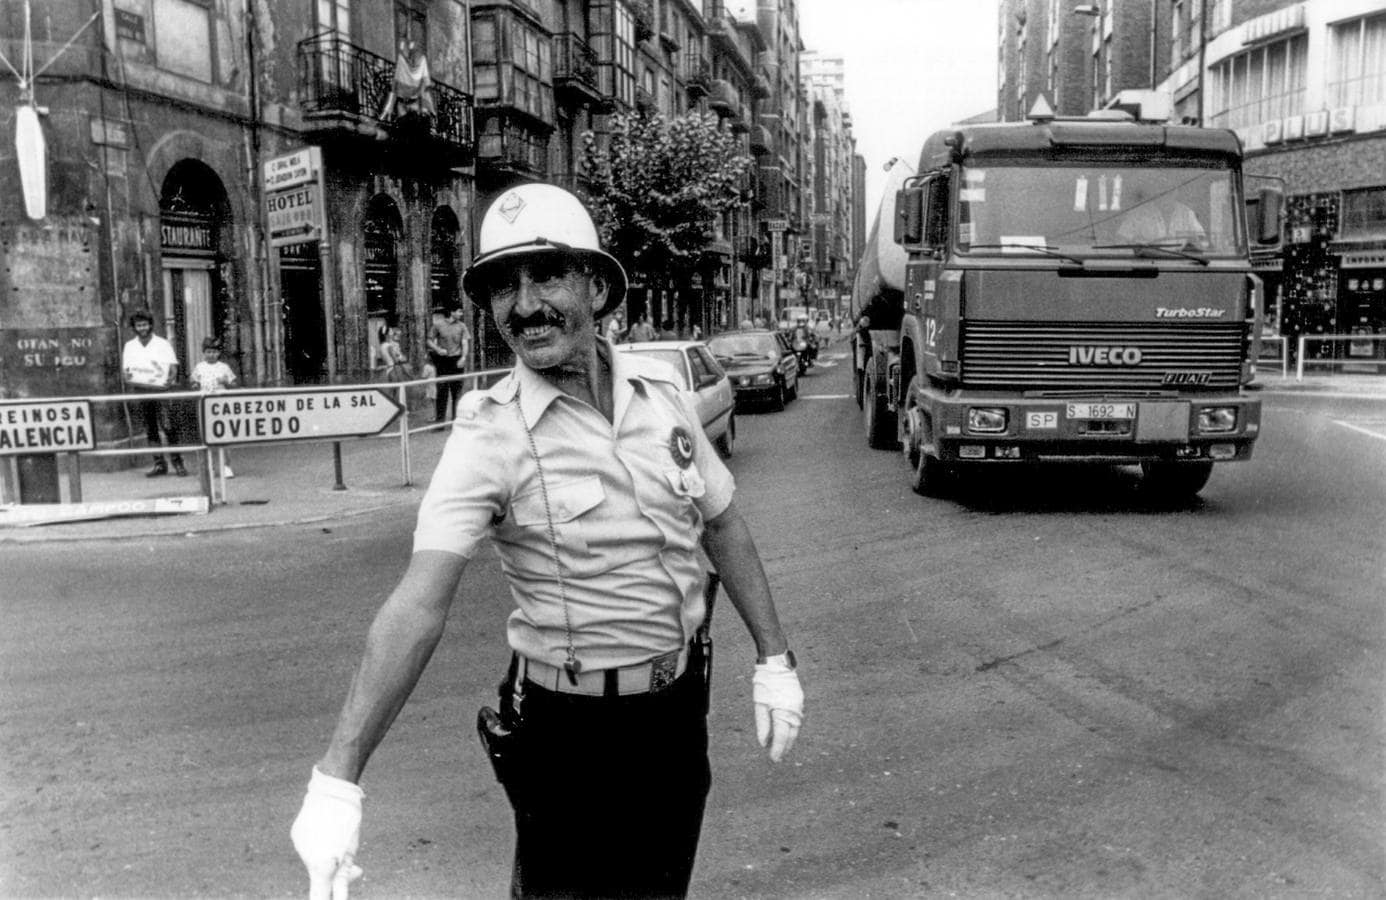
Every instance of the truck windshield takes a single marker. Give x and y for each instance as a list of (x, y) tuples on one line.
[(1094, 211)]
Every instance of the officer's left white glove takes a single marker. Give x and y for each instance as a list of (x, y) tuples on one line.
[(779, 702), (327, 833)]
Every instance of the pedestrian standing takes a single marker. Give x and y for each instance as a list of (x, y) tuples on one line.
[(615, 328), (213, 376), (642, 330), (449, 342), (588, 470), (151, 367), (391, 363)]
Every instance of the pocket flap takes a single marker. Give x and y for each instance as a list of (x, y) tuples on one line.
[(567, 501)]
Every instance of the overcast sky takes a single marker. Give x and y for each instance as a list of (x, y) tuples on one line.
[(912, 67)]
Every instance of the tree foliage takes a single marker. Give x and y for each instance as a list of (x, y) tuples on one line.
[(657, 187)]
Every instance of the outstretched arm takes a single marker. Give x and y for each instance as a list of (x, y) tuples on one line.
[(727, 540)]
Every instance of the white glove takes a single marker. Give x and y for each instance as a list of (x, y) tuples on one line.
[(779, 704), (327, 833)]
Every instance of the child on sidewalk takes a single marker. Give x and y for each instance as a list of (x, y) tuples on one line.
[(211, 376)]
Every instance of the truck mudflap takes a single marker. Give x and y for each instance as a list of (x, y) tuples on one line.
[(981, 428)]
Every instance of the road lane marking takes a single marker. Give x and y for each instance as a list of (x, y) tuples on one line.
[(824, 396), (1360, 430)]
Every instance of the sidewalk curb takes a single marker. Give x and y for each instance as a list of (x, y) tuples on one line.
[(34, 534)]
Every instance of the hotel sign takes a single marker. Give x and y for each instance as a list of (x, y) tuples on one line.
[(295, 211)]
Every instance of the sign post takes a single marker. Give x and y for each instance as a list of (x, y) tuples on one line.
[(36, 432), (260, 417)]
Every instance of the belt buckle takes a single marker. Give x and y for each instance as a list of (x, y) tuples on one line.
[(664, 670)]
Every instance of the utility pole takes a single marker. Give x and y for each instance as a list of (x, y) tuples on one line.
[(1202, 56)]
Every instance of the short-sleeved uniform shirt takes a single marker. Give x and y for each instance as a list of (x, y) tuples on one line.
[(627, 500)]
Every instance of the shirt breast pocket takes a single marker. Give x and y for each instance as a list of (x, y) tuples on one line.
[(567, 503)]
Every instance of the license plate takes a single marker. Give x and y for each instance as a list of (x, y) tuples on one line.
[(1101, 411)]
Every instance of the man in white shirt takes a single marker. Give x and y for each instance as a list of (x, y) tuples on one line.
[(150, 366)]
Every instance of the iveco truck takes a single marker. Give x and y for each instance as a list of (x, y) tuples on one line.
[(1065, 290)]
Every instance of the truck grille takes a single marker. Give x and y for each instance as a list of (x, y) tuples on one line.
[(1039, 355)]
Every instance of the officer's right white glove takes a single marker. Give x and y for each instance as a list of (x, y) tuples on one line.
[(327, 833), (779, 702)]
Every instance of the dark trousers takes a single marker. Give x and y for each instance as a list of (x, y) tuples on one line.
[(609, 792), (160, 427), (446, 365)]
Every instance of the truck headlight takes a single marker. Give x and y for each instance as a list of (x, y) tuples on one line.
[(987, 419), (1217, 419), (763, 379)]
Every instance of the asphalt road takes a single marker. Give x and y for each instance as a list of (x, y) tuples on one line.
[(1045, 688)]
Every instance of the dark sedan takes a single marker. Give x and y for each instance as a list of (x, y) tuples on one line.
[(760, 364)]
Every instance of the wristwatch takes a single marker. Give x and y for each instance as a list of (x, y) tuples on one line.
[(787, 657)]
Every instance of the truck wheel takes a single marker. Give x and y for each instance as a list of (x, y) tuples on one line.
[(880, 430), (1174, 480), (728, 437), (929, 476)]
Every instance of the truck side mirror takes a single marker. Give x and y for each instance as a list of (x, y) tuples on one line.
[(936, 213), (1269, 203), (909, 217)]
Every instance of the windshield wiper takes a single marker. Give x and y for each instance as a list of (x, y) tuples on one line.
[(1146, 246), (1042, 248)]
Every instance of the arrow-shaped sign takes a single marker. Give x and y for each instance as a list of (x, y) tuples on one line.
[(258, 417)]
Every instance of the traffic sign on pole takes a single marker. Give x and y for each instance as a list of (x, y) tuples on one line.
[(45, 426), (271, 416)]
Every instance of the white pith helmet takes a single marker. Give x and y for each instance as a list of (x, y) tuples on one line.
[(542, 218)]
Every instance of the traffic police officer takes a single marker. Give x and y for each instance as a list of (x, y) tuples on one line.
[(590, 472)]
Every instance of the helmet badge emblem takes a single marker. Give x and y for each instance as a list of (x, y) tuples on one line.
[(511, 206)]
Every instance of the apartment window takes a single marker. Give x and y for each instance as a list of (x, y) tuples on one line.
[(1260, 85), (1358, 66), (513, 64), (1186, 30), (613, 41), (183, 32), (411, 23), (1364, 213), (334, 16)]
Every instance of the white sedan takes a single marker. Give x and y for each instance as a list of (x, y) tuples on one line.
[(702, 375)]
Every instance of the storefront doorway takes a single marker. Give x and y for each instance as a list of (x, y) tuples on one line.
[(193, 213), (305, 327)]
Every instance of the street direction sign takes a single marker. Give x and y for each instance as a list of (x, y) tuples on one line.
[(45, 426), (259, 417)]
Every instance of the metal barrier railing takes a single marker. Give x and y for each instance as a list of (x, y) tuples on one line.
[(1308, 340), (1282, 357), (211, 469)]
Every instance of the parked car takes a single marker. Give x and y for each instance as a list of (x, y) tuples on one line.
[(702, 375), (761, 365)]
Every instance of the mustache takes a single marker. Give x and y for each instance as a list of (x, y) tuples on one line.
[(539, 319)]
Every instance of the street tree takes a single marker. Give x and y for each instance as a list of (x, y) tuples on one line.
[(657, 186)]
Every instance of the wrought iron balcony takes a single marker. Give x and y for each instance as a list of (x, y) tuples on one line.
[(697, 75), (575, 69), (643, 13), (761, 141), (645, 101), (722, 98), (349, 90)]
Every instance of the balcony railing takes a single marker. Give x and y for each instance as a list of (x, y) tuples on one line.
[(723, 97), (696, 72), (575, 66), (349, 87)]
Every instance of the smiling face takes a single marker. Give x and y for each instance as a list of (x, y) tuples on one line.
[(544, 304)]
